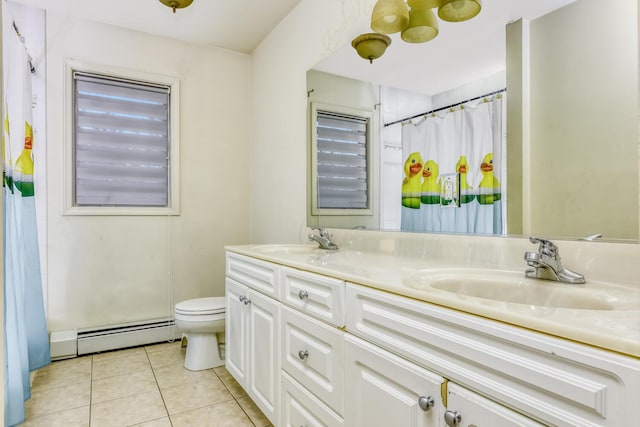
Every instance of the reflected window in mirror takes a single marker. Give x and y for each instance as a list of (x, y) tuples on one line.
[(340, 160)]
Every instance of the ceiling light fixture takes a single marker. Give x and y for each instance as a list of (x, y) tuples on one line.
[(459, 10), (416, 25), (371, 45), (176, 4)]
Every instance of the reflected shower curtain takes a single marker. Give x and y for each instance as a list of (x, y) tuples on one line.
[(453, 170), (26, 343)]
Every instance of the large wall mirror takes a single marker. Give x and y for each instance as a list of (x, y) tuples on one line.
[(571, 160)]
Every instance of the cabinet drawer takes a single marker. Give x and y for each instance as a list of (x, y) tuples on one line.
[(257, 274), (551, 380), (301, 408), (313, 354), (318, 296)]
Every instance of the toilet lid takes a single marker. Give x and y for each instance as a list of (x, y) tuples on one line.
[(201, 306)]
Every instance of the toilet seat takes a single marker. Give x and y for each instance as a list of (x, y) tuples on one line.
[(201, 306)]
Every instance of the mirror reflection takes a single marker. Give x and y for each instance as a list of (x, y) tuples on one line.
[(564, 156)]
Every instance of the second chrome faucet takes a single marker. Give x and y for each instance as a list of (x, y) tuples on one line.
[(546, 264)]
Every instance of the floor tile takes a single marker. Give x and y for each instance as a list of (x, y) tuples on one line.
[(162, 346), (62, 373), (172, 355), (252, 410), (160, 422), (124, 364), (127, 352), (227, 379), (172, 375), (78, 417), (58, 399), (128, 410), (190, 396), (225, 414), (122, 385)]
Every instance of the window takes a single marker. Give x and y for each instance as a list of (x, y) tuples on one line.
[(341, 161), (123, 144)]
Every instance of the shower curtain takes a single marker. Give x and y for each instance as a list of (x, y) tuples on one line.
[(26, 343), (453, 170)]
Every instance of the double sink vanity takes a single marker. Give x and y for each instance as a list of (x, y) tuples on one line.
[(408, 331)]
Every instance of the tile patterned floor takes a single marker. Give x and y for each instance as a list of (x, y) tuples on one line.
[(143, 386)]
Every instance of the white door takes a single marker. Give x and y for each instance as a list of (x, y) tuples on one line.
[(236, 331), (468, 409), (384, 390), (263, 315)]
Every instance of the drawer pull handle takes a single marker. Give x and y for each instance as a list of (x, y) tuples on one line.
[(426, 402), (452, 418), (303, 354), (242, 298), (303, 294), (246, 301)]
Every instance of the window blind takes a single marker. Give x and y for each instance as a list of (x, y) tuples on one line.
[(121, 142), (341, 161)]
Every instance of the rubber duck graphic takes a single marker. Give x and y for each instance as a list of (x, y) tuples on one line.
[(431, 185), (466, 191), (411, 184), (489, 188)]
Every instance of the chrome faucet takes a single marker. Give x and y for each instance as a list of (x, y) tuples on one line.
[(546, 264), (323, 238)]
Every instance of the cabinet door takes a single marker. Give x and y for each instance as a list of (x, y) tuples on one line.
[(236, 332), (384, 390), (264, 353), (472, 410)]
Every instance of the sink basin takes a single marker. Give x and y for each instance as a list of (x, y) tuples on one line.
[(287, 249), (513, 287)]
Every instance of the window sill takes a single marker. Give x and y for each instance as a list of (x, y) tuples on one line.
[(120, 211)]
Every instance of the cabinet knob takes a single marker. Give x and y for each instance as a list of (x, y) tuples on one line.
[(242, 298), (246, 301), (303, 294), (303, 354), (452, 418), (426, 402)]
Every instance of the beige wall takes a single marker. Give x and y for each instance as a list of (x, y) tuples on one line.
[(105, 270), (279, 142), (586, 163)]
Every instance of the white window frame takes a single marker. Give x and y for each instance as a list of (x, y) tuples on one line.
[(173, 207), (347, 111)]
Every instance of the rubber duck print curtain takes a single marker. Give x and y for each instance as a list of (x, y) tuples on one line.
[(26, 342), (453, 170)]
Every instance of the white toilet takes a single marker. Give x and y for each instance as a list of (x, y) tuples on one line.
[(200, 320)]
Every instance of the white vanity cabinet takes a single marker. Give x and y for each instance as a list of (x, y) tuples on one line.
[(383, 389), (550, 380), (390, 360), (252, 349)]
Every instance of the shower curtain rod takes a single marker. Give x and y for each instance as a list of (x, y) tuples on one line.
[(21, 37), (446, 108)]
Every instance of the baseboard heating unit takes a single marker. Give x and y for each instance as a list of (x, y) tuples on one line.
[(113, 337)]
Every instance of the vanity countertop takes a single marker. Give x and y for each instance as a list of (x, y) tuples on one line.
[(611, 321)]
